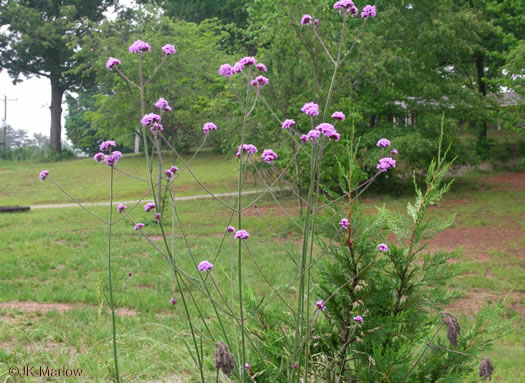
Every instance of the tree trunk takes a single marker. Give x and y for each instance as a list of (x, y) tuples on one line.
[(55, 138), (483, 90)]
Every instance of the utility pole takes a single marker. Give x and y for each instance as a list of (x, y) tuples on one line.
[(4, 121)]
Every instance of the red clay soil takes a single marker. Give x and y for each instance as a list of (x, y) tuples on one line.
[(505, 182)]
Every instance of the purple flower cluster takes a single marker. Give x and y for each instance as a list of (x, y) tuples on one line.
[(346, 5), (112, 62), (383, 143), (121, 207), (149, 207), (112, 158), (173, 301), (208, 126), (139, 47), (44, 174), (368, 11), (394, 152), (329, 131), (169, 49), (99, 157), (382, 247), (163, 105), (269, 155), (320, 305), (230, 229), (241, 234), (205, 266), (138, 226), (344, 223), (385, 164), (261, 67), (287, 124), (248, 148), (259, 81), (306, 20), (170, 173), (310, 109), (149, 119), (358, 319), (107, 145), (226, 70), (313, 134), (339, 116), (157, 217), (156, 128)]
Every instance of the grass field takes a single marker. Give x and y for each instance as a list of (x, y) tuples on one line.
[(54, 267)]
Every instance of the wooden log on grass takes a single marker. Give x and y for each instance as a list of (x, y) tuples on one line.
[(13, 209)]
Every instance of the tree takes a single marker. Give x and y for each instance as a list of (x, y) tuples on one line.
[(78, 127), (40, 41)]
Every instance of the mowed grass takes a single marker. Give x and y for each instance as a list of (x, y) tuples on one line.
[(59, 256)]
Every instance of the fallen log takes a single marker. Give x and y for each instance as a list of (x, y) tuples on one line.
[(12, 209)]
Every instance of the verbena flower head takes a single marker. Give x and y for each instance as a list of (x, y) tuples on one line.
[(248, 148), (149, 206), (237, 68), (306, 20), (269, 155), (130, 274), (368, 11), (247, 366), (316, 22), (310, 109), (383, 143), (329, 131), (99, 157), (44, 174), (173, 301), (358, 319), (149, 119), (241, 234), (304, 137), (230, 229), (205, 266), (344, 223), (168, 173), (320, 305), (261, 67), (394, 152), (346, 5), (169, 49), (162, 104), (385, 164), (260, 81), (121, 207), (139, 47), (138, 226), (226, 70), (174, 169), (294, 366), (313, 134), (156, 128), (113, 158), (112, 62), (382, 247), (157, 217), (339, 116), (247, 61), (208, 126), (107, 145), (287, 124)]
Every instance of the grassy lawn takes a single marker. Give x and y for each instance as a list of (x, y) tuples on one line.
[(58, 256)]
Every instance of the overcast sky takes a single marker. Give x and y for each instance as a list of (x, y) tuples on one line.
[(31, 110)]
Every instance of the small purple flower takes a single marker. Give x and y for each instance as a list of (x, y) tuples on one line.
[(368, 11), (149, 119), (344, 223), (383, 143), (347, 5), (358, 319), (269, 155), (138, 226), (320, 305), (313, 134), (247, 61), (230, 229), (303, 137), (169, 49), (287, 124), (163, 105), (156, 128), (247, 366), (261, 67), (205, 266), (385, 164), (208, 126), (173, 301), (329, 131), (121, 207), (44, 174), (130, 274), (107, 145), (237, 68), (382, 247), (241, 234), (149, 207), (294, 366), (139, 47), (99, 157), (339, 116), (157, 217), (226, 70), (316, 22), (248, 148), (394, 152), (174, 169), (306, 20), (112, 62), (259, 82), (168, 173), (113, 158), (310, 109)]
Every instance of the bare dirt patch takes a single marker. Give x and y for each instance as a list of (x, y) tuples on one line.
[(505, 182), (475, 299), (29, 307)]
